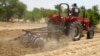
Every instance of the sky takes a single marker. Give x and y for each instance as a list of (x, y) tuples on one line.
[(49, 4)]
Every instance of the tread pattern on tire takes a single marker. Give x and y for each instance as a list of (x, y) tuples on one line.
[(71, 26)]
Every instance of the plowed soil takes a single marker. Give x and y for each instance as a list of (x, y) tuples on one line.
[(10, 47)]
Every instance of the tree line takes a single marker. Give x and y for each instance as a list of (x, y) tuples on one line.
[(10, 9)]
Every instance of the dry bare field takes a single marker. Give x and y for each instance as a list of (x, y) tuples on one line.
[(9, 47), (14, 26)]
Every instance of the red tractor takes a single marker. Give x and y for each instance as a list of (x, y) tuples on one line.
[(71, 23), (58, 28)]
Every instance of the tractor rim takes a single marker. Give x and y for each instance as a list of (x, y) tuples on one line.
[(77, 32)]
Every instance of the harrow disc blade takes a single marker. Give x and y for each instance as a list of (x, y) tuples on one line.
[(28, 40)]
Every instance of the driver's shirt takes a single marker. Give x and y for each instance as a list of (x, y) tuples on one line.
[(75, 11)]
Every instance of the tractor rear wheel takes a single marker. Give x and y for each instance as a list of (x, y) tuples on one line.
[(90, 33), (75, 30)]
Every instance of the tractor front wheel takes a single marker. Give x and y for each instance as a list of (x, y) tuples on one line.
[(90, 33)]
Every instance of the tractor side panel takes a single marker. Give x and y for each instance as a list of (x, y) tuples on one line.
[(80, 19), (73, 18), (87, 23), (84, 21), (57, 19)]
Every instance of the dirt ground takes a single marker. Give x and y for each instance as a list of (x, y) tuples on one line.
[(14, 26), (9, 47)]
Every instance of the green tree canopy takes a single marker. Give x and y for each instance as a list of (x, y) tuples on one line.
[(94, 15), (10, 8)]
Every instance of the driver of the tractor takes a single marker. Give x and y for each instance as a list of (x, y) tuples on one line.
[(75, 10)]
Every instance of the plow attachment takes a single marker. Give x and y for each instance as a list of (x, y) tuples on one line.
[(38, 38)]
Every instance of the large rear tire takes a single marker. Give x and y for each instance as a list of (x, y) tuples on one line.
[(75, 30)]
